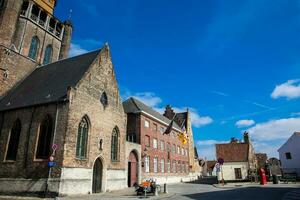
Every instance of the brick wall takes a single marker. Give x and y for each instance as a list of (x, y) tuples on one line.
[(26, 164), (152, 152), (16, 66)]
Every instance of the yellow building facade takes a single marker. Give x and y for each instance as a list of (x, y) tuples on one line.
[(47, 5)]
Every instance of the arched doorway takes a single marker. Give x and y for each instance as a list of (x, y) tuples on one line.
[(97, 176), (132, 169)]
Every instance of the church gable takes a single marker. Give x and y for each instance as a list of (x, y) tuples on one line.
[(100, 82)]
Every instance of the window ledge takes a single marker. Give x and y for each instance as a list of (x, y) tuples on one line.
[(9, 161), (40, 160), (81, 159)]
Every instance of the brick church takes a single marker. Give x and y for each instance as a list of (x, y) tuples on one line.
[(67, 111)]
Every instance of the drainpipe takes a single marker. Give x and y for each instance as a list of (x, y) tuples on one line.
[(2, 122), (53, 153)]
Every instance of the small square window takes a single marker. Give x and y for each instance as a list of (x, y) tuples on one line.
[(288, 155), (155, 127)]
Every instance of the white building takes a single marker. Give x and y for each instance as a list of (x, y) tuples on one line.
[(238, 159), (289, 154)]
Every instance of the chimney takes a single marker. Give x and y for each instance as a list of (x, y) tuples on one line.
[(246, 137), (169, 112), (234, 140)]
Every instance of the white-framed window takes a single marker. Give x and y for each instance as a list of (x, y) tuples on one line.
[(154, 143), (155, 164), (147, 164), (162, 165), (174, 149), (186, 152), (162, 129), (178, 150), (147, 124), (168, 166), (162, 145), (179, 167), (182, 151)]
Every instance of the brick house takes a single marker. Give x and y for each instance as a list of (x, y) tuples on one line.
[(163, 157), (239, 158)]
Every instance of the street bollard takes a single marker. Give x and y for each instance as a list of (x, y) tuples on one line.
[(155, 191), (165, 188)]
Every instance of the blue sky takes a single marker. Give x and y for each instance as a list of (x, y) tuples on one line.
[(234, 63)]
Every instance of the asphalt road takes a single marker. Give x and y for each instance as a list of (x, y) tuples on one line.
[(208, 192)]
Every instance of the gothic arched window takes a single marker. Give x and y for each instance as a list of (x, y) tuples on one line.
[(34, 46), (115, 144), (48, 54), (45, 137), (82, 137), (1, 4), (13, 143)]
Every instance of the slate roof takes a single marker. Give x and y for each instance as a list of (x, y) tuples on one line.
[(233, 152), (48, 83), (133, 105)]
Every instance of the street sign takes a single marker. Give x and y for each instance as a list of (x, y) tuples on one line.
[(51, 164), (221, 161), (51, 158), (54, 147)]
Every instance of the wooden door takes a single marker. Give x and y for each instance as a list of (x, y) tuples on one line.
[(238, 173), (97, 176), (132, 169)]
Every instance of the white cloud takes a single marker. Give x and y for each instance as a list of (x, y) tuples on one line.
[(244, 123), (270, 148), (295, 114), (210, 142), (76, 49), (289, 89), (148, 98), (206, 148), (198, 120), (275, 129)]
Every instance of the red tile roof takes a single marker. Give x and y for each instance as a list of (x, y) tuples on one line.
[(233, 152), (211, 164)]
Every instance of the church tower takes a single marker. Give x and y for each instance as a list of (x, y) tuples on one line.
[(30, 35)]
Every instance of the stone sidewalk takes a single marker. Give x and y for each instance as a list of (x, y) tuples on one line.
[(128, 193)]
